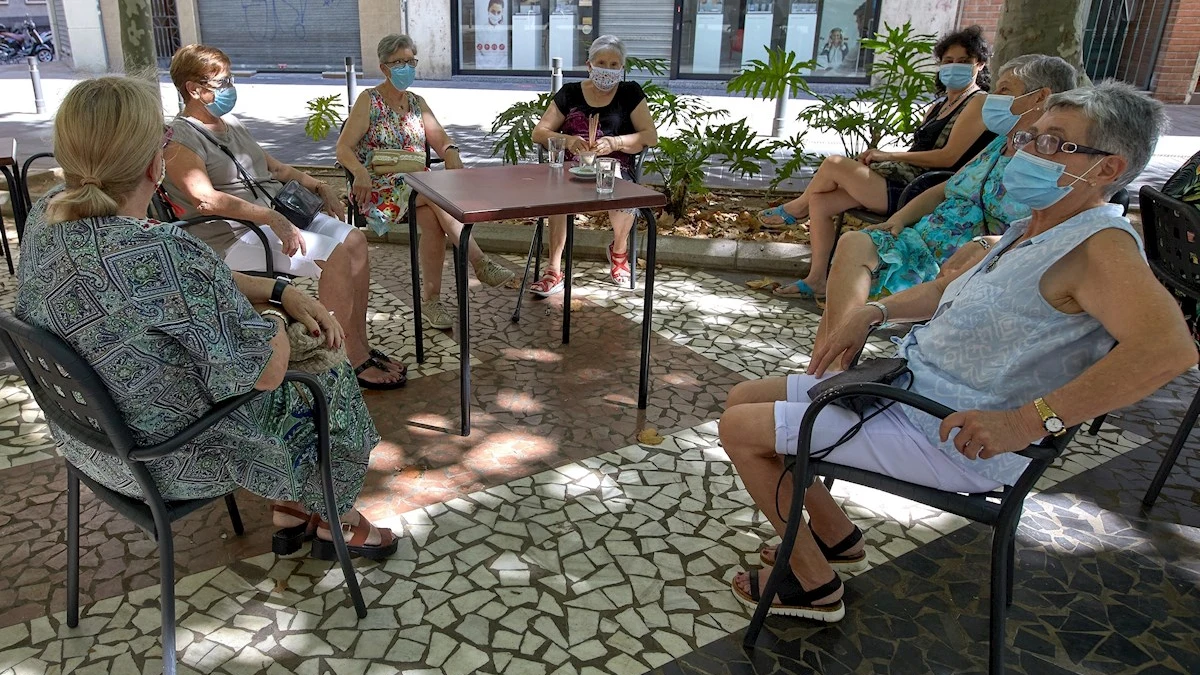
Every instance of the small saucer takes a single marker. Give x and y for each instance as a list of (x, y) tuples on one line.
[(583, 171)]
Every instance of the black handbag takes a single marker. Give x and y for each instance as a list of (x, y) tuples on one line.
[(875, 371), (294, 201)]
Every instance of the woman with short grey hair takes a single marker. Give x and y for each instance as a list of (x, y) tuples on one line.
[(1063, 321)]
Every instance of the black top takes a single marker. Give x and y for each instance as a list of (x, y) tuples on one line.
[(616, 118), (929, 133)]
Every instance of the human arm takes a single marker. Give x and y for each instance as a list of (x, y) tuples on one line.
[(438, 139), (186, 171), (968, 255), (1106, 278), (644, 136), (548, 126), (846, 340), (917, 208), (355, 128), (285, 172), (297, 304), (966, 130), (281, 351)]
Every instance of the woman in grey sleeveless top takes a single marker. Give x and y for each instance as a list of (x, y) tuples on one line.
[(1062, 321)]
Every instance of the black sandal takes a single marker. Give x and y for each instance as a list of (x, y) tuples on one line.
[(288, 540), (833, 554), (371, 362), (793, 599)]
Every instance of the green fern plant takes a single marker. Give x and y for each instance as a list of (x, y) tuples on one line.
[(324, 115), (777, 77), (680, 159), (513, 128)]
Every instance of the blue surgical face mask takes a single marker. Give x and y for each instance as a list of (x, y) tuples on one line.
[(402, 77), (1033, 180), (998, 116), (223, 101), (957, 75)]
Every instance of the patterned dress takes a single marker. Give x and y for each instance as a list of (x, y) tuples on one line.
[(389, 130), (160, 318), (975, 204)]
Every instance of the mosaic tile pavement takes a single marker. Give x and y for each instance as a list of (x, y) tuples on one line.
[(550, 542)]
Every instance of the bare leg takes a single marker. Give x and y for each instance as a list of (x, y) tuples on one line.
[(849, 279), (432, 252), (452, 229), (622, 223), (338, 292), (822, 229), (558, 242)]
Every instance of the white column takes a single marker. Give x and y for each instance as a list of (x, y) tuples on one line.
[(85, 30)]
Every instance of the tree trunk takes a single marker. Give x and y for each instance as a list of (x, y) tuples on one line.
[(137, 40), (1052, 27)]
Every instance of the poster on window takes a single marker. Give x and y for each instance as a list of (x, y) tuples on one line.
[(491, 34)]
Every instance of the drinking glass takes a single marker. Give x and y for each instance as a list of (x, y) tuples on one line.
[(606, 175), (587, 158), (557, 146)]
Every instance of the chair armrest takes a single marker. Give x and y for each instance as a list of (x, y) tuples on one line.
[(189, 433), (922, 183), (252, 226)]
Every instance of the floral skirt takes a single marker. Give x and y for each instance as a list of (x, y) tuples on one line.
[(913, 258), (388, 206)]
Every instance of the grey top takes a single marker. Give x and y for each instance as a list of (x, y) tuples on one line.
[(223, 174)]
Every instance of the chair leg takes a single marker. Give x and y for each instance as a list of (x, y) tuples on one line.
[(1002, 543), (235, 516), (339, 542), (1172, 454), (166, 566), (1096, 424), (828, 482), (535, 257), (72, 548), (1012, 566), (784, 552)]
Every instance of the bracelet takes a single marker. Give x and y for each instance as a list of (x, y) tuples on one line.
[(882, 308), (449, 148), (982, 242), (275, 313)]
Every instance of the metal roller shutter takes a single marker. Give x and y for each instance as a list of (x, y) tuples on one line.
[(644, 25), (277, 34), (58, 26)]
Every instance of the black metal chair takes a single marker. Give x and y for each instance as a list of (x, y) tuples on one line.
[(73, 397), (353, 217), (1001, 509), (535, 246), (1172, 232)]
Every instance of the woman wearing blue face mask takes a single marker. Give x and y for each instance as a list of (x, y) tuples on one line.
[(952, 133), (203, 178), (390, 117), (625, 129), (911, 245)]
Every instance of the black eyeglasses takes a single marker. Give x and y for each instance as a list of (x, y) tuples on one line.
[(405, 62), (1048, 144)]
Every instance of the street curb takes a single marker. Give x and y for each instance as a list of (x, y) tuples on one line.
[(762, 257)]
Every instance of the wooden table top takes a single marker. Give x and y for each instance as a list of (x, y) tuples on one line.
[(524, 191), (8, 151)]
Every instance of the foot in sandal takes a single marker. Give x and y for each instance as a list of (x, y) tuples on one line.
[(821, 603), (848, 555), (362, 539)]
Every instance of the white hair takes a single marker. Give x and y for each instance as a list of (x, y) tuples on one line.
[(392, 43), (607, 43)]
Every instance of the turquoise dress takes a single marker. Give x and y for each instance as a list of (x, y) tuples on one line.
[(160, 319), (975, 204)]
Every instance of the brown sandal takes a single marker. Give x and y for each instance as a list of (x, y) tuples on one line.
[(287, 540), (356, 538)]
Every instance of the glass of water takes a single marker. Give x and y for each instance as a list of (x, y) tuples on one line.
[(606, 175), (557, 146)]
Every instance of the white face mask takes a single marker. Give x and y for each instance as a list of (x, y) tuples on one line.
[(606, 78), (495, 18)]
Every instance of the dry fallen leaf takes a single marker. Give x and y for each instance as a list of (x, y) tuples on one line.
[(759, 284), (514, 283), (649, 436), (576, 304)]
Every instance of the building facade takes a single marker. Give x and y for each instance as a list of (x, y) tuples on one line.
[(1145, 42)]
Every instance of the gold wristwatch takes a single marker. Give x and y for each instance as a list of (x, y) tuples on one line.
[(1051, 422)]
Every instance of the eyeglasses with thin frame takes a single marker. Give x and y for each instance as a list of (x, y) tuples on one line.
[(219, 82), (1048, 144), (401, 63)]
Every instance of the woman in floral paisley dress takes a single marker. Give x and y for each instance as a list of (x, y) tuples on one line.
[(390, 117), (172, 331)]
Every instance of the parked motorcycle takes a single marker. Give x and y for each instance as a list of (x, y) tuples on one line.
[(27, 41)]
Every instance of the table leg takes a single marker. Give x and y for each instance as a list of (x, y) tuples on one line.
[(15, 198), (413, 243), (567, 280), (464, 329), (647, 308)]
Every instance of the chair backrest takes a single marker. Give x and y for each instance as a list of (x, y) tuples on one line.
[(1121, 198), (70, 393), (1172, 232), (23, 184)]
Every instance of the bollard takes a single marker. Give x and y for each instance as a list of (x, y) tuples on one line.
[(555, 74), (36, 77), (351, 84), (780, 120)]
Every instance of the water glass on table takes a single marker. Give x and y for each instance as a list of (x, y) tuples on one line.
[(606, 175), (556, 146)]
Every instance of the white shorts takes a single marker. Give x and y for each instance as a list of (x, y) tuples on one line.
[(888, 443), (321, 238)]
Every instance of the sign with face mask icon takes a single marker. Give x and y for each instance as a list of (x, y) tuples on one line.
[(491, 34)]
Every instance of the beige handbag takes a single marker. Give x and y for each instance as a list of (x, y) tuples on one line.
[(397, 161)]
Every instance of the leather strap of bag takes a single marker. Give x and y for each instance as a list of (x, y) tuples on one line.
[(250, 183)]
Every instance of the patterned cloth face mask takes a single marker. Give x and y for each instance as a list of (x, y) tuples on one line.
[(606, 78)]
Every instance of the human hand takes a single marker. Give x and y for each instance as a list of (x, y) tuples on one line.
[(874, 155), (360, 189), (967, 256), (888, 225), (289, 235), (844, 342), (575, 144), (987, 433), (453, 160), (316, 319), (606, 145), (333, 205)]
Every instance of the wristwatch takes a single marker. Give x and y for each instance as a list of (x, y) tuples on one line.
[(982, 242), (281, 284), (882, 308), (1051, 422)]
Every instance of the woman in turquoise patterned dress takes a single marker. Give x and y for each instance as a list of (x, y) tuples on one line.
[(172, 331), (390, 117), (909, 247)]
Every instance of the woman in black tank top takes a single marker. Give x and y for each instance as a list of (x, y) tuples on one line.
[(952, 133)]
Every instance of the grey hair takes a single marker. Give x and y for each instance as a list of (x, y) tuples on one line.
[(1036, 71), (606, 43), (1121, 120), (391, 43)]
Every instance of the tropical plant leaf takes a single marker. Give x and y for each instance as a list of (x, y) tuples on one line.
[(324, 114), (513, 128), (778, 76), (654, 67)]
